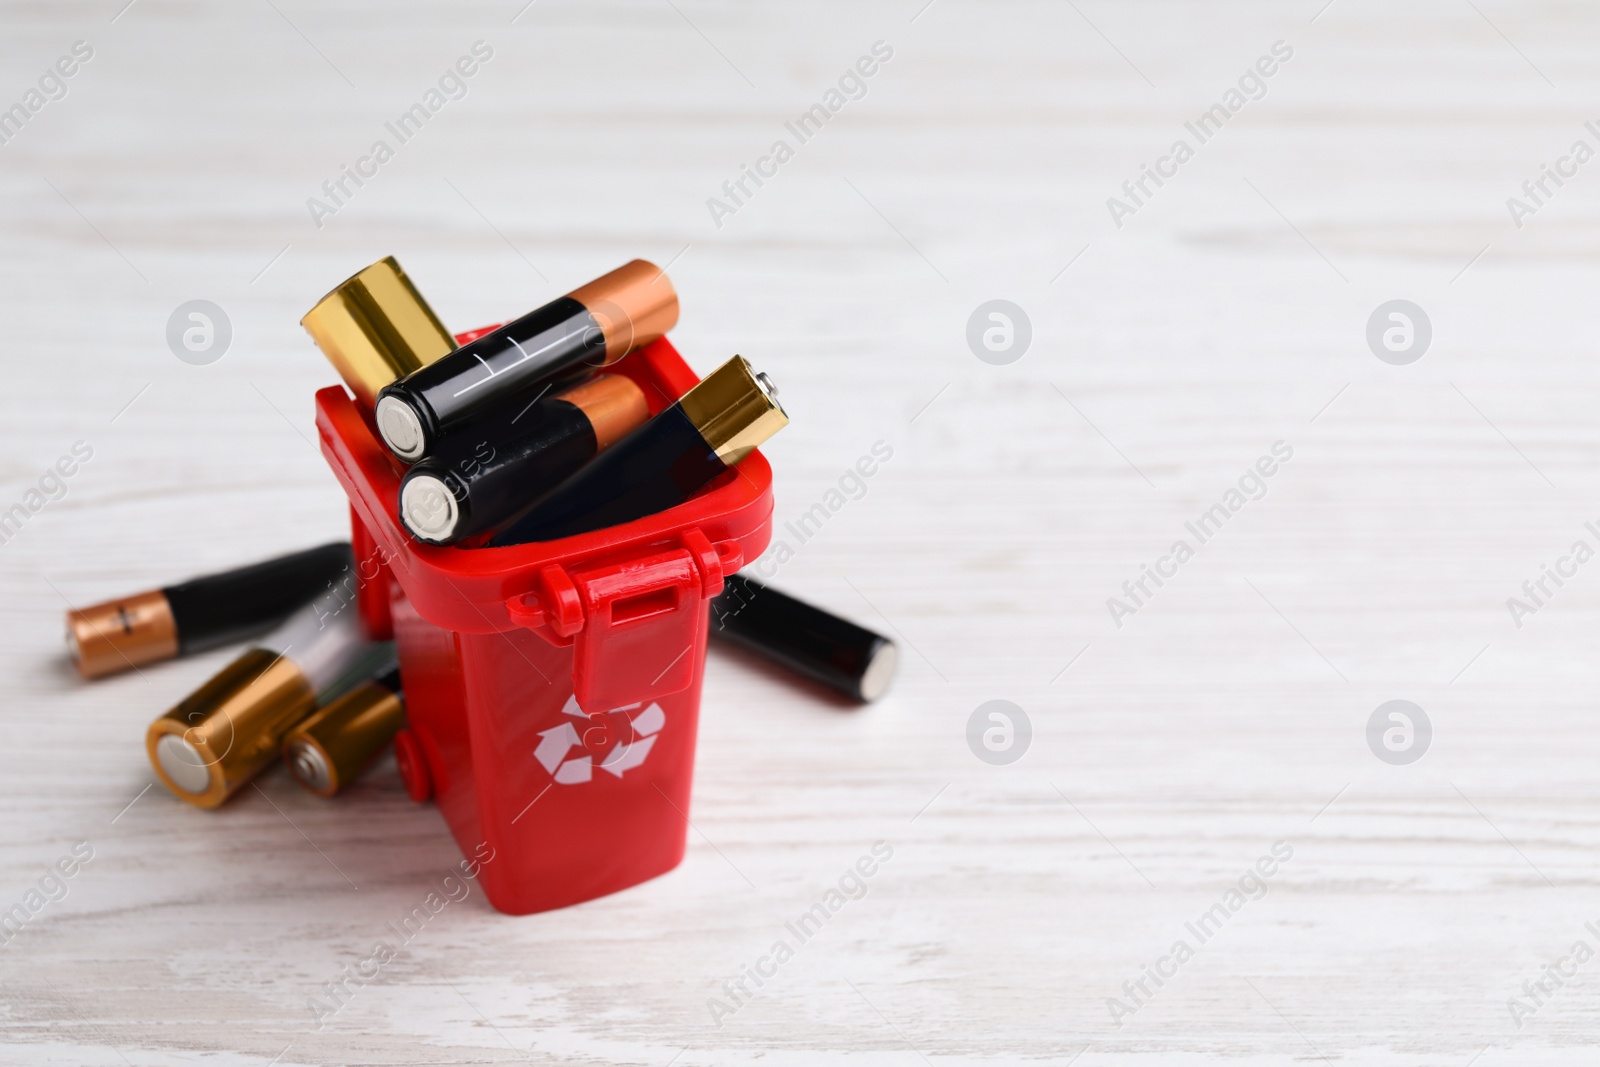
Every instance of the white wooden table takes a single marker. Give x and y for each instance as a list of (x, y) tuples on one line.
[(1168, 755)]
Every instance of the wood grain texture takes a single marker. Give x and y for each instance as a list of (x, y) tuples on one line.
[(1169, 754)]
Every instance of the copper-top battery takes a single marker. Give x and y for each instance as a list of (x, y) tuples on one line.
[(593, 326), (484, 477), (201, 613)]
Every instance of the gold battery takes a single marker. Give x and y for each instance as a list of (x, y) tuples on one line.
[(330, 749), (374, 327), (222, 734), (735, 408)]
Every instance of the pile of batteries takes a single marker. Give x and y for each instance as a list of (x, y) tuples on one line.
[(506, 435)]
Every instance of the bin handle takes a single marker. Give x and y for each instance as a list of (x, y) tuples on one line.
[(708, 560), (557, 604)]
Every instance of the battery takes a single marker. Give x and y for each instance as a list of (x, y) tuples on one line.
[(330, 749), (483, 477), (199, 614), (219, 737), (375, 327), (593, 326), (663, 463), (847, 658)]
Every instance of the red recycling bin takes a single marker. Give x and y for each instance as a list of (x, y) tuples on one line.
[(552, 689)]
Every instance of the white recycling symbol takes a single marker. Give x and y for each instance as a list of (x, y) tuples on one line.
[(561, 739)]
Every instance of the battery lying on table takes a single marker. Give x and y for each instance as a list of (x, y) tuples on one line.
[(202, 613), (847, 658), (216, 739), (331, 748)]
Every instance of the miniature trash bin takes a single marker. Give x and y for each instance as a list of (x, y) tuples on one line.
[(552, 689)]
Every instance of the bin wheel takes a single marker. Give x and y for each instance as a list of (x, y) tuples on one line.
[(413, 766)]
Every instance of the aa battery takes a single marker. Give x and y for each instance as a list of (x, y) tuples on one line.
[(219, 737), (200, 614), (822, 646), (593, 326), (481, 478), (375, 327), (664, 462), (330, 749)]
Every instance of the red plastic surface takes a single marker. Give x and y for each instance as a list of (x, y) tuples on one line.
[(413, 768), (473, 335), (553, 689), (372, 586)]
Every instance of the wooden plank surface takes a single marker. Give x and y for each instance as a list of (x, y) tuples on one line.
[(1228, 312)]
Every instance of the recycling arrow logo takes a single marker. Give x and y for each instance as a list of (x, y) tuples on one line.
[(557, 743)]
